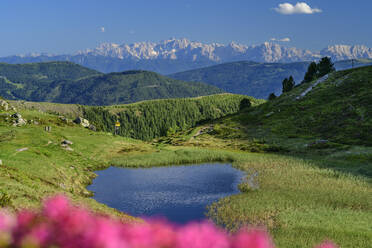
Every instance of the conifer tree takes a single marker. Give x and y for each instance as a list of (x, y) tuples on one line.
[(272, 96), (288, 84), (325, 66), (244, 103), (311, 72)]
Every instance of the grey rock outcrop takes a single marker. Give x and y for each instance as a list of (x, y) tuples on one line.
[(81, 121), (18, 120), (92, 127), (22, 149), (4, 105), (67, 142)]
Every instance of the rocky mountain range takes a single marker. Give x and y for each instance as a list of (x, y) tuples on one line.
[(175, 55)]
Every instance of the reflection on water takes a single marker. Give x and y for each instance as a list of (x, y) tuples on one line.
[(179, 193)]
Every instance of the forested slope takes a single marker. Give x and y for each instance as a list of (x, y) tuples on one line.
[(149, 119), (64, 82)]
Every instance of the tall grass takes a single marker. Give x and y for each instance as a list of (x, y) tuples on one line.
[(299, 200)]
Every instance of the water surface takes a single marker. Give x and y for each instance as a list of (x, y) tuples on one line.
[(179, 193)]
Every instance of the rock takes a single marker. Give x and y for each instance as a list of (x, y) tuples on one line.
[(22, 149), (67, 148), (92, 127), (18, 120), (81, 121), (17, 116), (1, 162), (67, 142), (4, 105)]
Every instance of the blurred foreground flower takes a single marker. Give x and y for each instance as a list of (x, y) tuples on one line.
[(59, 224)]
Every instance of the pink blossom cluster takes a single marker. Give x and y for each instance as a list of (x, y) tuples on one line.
[(60, 224)]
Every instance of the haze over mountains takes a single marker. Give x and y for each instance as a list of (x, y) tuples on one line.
[(175, 55)]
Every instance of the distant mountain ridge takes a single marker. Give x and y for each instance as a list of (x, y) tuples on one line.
[(255, 79), (65, 82), (175, 55)]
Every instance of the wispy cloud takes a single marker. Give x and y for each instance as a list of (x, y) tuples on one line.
[(102, 29), (299, 8), (281, 40)]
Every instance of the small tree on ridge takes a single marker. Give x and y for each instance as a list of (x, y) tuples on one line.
[(288, 84), (325, 66)]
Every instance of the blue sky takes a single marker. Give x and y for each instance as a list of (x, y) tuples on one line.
[(65, 26)]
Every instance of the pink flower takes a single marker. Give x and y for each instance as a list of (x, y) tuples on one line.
[(327, 244), (39, 235), (203, 235), (7, 221), (60, 224), (252, 239), (56, 207), (151, 234)]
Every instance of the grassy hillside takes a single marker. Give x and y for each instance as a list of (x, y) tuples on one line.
[(255, 79), (333, 119), (65, 82), (338, 110), (147, 119), (302, 198), (324, 135), (35, 165)]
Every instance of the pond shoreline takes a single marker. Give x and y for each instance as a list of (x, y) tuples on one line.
[(180, 193)]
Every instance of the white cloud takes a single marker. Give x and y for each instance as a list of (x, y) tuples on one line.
[(281, 40), (102, 29), (299, 8)]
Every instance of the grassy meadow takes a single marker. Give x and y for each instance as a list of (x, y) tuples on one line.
[(300, 201), (306, 192)]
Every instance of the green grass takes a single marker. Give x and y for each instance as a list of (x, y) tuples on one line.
[(338, 110), (305, 195), (300, 200), (45, 168)]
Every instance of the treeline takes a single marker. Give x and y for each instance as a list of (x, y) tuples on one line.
[(151, 119)]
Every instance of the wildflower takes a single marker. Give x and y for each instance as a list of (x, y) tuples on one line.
[(252, 239), (203, 235), (327, 244)]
